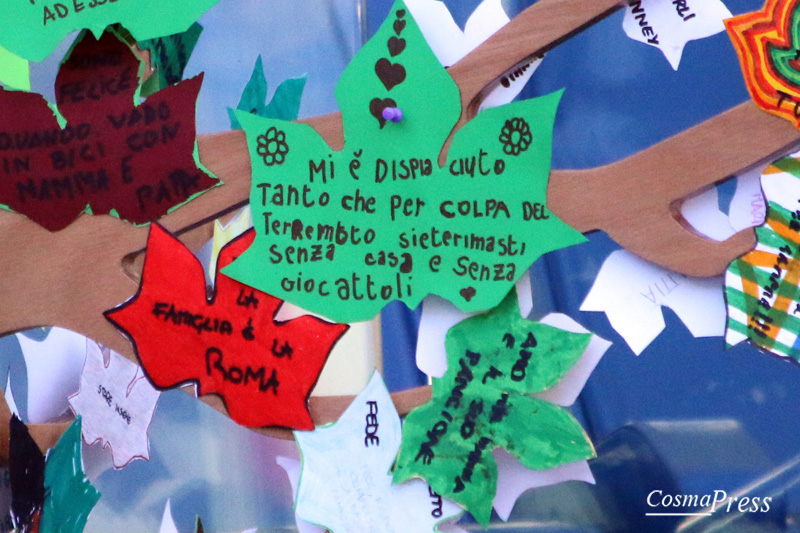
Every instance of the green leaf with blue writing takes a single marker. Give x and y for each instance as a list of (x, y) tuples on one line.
[(32, 30), (69, 496), (285, 103), (494, 361), (345, 233)]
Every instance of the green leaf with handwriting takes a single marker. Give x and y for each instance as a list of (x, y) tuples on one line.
[(343, 233), (285, 103), (494, 361), (32, 30), (69, 496)]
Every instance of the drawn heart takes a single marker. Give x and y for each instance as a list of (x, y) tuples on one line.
[(396, 46), (376, 107), (399, 26), (401, 13), (391, 74), (468, 293)]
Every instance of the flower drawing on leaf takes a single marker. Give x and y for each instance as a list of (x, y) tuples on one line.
[(272, 147), (515, 136)]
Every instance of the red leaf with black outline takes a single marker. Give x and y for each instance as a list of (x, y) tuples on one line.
[(229, 344)]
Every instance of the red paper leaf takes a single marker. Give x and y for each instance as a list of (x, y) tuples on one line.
[(231, 345), (112, 154)]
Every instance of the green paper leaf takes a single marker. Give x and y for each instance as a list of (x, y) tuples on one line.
[(14, 71), (69, 496), (169, 56), (285, 104), (32, 30), (493, 361), (344, 233)]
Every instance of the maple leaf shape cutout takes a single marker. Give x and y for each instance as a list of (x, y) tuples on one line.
[(768, 45), (230, 344), (136, 161), (494, 361), (116, 403), (762, 288), (344, 233), (345, 483)]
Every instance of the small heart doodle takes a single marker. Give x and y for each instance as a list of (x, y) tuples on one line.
[(399, 26), (401, 13), (468, 293), (376, 107), (396, 46), (391, 74)]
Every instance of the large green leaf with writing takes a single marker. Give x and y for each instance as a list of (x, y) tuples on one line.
[(33, 29), (493, 361), (343, 233)]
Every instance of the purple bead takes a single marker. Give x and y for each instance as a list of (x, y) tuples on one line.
[(393, 114)]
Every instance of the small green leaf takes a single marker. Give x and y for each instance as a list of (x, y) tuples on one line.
[(493, 361)]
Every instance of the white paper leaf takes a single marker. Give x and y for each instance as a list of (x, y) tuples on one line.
[(54, 369), (116, 403), (669, 25), (345, 483), (631, 291)]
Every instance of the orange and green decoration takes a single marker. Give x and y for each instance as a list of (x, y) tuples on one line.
[(768, 45)]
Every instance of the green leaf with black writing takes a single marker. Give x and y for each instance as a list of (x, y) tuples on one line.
[(494, 361), (69, 496), (344, 233), (285, 103)]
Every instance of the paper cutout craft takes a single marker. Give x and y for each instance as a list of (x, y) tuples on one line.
[(223, 234), (292, 469), (748, 208), (345, 483), (450, 44), (631, 291), (230, 345), (513, 479), (669, 25), (69, 496), (53, 365), (765, 42), (169, 55), (285, 103), (761, 287), (112, 157), (380, 220), (494, 361), (116, 404), (33, 30), (26, 473), (168, 523), (439, 315), (15, 72)]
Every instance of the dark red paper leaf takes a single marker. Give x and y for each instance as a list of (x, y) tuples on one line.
[(112, 154), (230, 345)]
